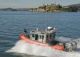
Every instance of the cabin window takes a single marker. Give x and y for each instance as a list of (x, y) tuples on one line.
[(33, 35), (50, 36), (36, 36), (46, 36), (42, 36), (54, 35)]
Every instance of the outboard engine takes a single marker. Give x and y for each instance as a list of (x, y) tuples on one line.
[(70, 46), (74, 44)]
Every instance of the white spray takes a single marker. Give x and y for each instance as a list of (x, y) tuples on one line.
[(23, 47)]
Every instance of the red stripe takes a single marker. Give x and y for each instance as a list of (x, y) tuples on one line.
[(26, 39)]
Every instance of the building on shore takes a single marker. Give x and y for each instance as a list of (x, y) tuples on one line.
[(50, 8), (55, 8)]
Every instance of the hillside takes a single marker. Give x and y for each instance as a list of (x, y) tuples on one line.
[(74, 5)]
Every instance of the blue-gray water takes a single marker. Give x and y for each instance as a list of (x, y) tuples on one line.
[(13, 23)]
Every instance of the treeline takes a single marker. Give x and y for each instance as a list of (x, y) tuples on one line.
[(48, 8), (56, 8)]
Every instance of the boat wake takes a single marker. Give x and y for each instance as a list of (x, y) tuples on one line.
[(23, 47)]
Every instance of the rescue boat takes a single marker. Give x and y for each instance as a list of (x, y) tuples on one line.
[(46, 38)]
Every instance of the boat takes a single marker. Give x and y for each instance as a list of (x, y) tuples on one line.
[(47, 38)]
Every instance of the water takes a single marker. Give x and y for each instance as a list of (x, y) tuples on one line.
[(13, 23)]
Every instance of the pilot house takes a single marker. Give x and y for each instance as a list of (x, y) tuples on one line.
[(43, 36)]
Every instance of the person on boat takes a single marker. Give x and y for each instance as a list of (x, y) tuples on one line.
[(25, 30)]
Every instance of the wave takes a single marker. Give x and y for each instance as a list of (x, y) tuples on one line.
[(23, 47)]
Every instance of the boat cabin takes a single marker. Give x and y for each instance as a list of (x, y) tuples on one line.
[(43, 36), (48, 36)]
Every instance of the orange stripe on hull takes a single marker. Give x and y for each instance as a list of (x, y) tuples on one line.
[(26, 39)]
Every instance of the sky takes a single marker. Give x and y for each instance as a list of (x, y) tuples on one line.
[(33, 3)]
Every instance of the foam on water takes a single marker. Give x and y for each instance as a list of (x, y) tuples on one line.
[(23, 47)]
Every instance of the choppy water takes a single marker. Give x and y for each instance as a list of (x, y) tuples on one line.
[(13, 23)]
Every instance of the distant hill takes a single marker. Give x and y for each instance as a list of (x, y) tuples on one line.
[(48, 8), (74, 5), (13, 9)]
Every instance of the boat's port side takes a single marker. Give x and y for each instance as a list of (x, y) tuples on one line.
[(47, 38)]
